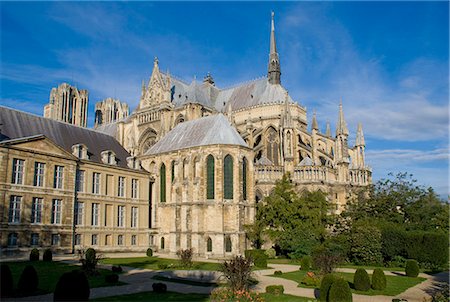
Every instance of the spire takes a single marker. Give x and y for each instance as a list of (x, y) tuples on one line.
[(143, 88), (274, 71), (341, 127), (360, 136), (315, 125), (328, 130)]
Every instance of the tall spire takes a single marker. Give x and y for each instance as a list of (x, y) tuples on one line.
[(328, 130), (274, 72), (360, 136), (315, 125), (341, 127)]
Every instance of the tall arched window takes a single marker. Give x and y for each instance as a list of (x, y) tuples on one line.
[(273, 144), (228, 246), (210, 177), (209, 245), (228, 177), (162, 183), (162, 243), (172, 168), (244, 178)]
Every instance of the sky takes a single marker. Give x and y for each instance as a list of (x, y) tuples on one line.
[(387, 61)]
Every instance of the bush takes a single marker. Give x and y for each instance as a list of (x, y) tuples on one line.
[(34, 255), (6, 288), (412, 268), (47, 256), (28, 281), (365, 245), (224, 294), (340, 291), (361, 280), (238, 272), (271, 253), (258, 257), (305, 263), (275, 289), (185, 257), (378, 279), (149, 252), (325, 285), (72, 286), (277, 273), (116, 269), (112, 278), (326, 258), (311, 279), (159, 287), (89, 260)]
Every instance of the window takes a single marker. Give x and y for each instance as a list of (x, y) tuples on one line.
[(96, 183), (58, 179), (77, 239), (95, 214), (12, 239), (162, 243), (17, 174), (244, 179), (121, 188), (228, 177), (56, 211), (272, 144), (36, 210), (94, 239), (80, 180), (39, 169), (210, 177), (228, 246), (162, 183), (133, 240), (134, 188), (134, 217), (14, 209), (209, 245), (173, 171), (120, 240), (120, 216), (79, 211), (56, 239), (34, 239)]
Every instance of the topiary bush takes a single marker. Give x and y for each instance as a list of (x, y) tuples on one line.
[(305, 263), (34, 255), (159, 287), (275, 289), (28, 281), (6, 288), (116, 269), (277, 273), (48, 255), (412, 268), (378, 279), (361, 280), (72, 286), (258, 257), (89, 260), (149, 252), (112, 278), (340, 291), (325, 285)]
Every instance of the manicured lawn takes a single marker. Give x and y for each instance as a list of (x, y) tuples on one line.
[(153, 262), (391, 269), (184, 281), (395, 284), (49, 273), (284, 261), (286, 298)]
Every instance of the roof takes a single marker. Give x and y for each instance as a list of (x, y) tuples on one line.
[(210, 130), (19, 124)]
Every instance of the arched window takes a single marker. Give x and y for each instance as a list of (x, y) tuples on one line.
[(228, 177), (210, 177), (172, 168), (228, 246), (162, 183), (162, 243), (244, 179), (272, 144), (209, 245)]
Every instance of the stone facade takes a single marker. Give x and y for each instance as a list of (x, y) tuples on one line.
[(110, 110)]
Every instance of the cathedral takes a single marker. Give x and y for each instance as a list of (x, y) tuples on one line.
[(202, 156)]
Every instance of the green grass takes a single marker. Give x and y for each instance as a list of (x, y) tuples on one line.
[(153, 262), (185, 281), (395, 284), (369, 267), (155, 297), (284, 261), (286, 298), (49, 273)]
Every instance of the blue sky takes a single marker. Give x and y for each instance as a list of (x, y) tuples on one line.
[(389, 61)]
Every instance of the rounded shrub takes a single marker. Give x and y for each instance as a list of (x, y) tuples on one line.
[(277, 273), (361, 280), (159, 287), (305, 263), (72, 286), (340, 291), (259, 257), (112, 278), (47, 256), (6, 283), (275, 290), (412, 268), (28, 281), (149, 252), (34, 255), (325, 285), (378, 279), (90, 254)]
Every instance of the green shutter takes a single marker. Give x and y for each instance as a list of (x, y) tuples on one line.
[(210, 177), (162, 183), (228, 177)]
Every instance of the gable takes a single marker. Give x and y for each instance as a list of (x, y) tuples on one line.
[(41, 145)]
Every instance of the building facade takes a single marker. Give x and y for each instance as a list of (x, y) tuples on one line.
[(110, 110)]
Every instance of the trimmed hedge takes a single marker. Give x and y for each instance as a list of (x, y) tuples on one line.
[(72, 286), (361, 280), (378, 279), (412, 268), (28, 281), (325, 285), (340, 291), (275, 289), (259, 257), (48, 255), (34, 255), (305, 263), (7, 283), (159, 287), (149, 252)]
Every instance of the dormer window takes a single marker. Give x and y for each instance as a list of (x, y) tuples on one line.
[(109, 157), (133, 163), (80, 151)]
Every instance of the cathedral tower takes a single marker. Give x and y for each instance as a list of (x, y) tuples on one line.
[(274, 72)]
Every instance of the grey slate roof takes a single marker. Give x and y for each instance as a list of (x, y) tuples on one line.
[(17, 124), (210, 130)]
